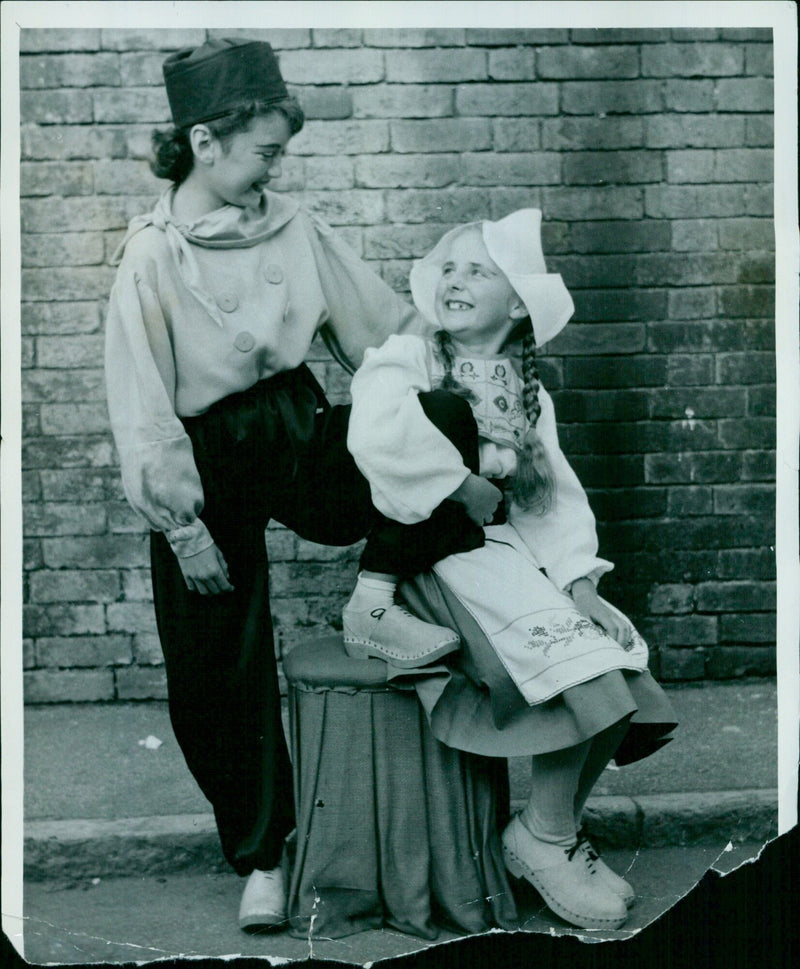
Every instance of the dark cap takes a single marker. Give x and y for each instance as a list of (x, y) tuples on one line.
[(206, 82)]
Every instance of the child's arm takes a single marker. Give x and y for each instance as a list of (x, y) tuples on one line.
[(410, 465)]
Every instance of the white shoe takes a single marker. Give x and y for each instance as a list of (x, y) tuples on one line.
[(395, 636), (610, 878), (263, 901), (561, 876)]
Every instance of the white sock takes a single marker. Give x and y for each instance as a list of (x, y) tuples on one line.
[(549, 812), (372, 594)]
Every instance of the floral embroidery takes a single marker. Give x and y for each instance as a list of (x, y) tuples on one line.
[(561, 634)]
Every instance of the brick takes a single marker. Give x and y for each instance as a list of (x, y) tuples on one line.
[(312, 552), (407, 171), (82, 351), (743, 165), (333, 66), (281, 38), (692, 131), (622, 503), (413, 37), (402, 101), (55, 178), (64, 518), (758, 59), (613, 305), (692, 60), (751, 432), (671, 599), (134, 175), (593, 133), (681, 664), (516, 134), (680, 631), (27, 352), (762, 34), (28, 656), (729, 662), (711, 335), (441, 66), (603, 471), (64, 484), (141, 69), (588, 62), (131, 617), (618, 35), (72, 651), (695, 303), (147, 650), (149, 683), (758, 200), (735, 596), (338, 37), (282, 546), (60, 318), (539, 168), (505, 37), (341, 138), (57, 686), (611, 97), (694, 235), (689, 468), (327, 103), (137, 584), (447, 134), (512, 99), (758, 466), (79, 214), (685, 95), (31, 425), (108, 551), (759, 131), (513, 64), (761, 401), (635, 371), (697, 403), (401, 241), (601, 339), (746, 368), (64, 618), (32, 554), (600, 405), (587, 203), (35, 39), (355, 207), (503, 201), (455, 205), (31, 486), (69, 70), (143, 38), (619, 236), (753, 563), (695, 165), (56, 107), (62, 249), (123, 519), (601, 168), (74, 586), (312, 578), (748, 628), (744, 499), (688, 201), (74, 418), (692, 500), (118, 106), (746, 234), (65, 142), (745, 94)]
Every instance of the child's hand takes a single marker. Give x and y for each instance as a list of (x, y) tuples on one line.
[(591, 605), (206, 572), (479, 497)]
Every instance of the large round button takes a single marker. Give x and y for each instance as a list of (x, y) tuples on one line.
[(227, 301), (273, 274), (244, 341)]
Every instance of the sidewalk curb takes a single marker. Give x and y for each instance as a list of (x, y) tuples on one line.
[(58, 851)]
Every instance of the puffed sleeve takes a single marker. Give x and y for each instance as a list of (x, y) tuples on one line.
[(159, 474), (564, 540), (410, 465), (362, 309)]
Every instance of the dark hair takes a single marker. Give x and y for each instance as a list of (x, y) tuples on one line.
[(533, 485), (174, 158)]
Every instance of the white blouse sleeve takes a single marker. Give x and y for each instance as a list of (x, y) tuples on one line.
[(159, 474), (362, 309), (410, 465), (564, 540)]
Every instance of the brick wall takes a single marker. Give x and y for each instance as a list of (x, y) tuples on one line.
[(649, 152)]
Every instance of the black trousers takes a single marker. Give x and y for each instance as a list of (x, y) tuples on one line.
[(277, 451)]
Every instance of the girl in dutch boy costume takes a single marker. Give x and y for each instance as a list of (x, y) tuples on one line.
[(220, 427), (546, 667)]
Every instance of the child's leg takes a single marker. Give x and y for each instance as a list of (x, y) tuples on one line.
[(549, 812), (602, 749)]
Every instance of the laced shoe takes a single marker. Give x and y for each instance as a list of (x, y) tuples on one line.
[(263, 905), (394, 635), (568, 886), (617, 884)]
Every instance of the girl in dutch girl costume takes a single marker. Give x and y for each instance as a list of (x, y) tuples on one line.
[(546, 667)]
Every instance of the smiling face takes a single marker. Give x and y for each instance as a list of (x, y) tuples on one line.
[(235, 171), (474, 301)]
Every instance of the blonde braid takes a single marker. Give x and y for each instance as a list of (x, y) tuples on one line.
[(444, 348), (533, 486)]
